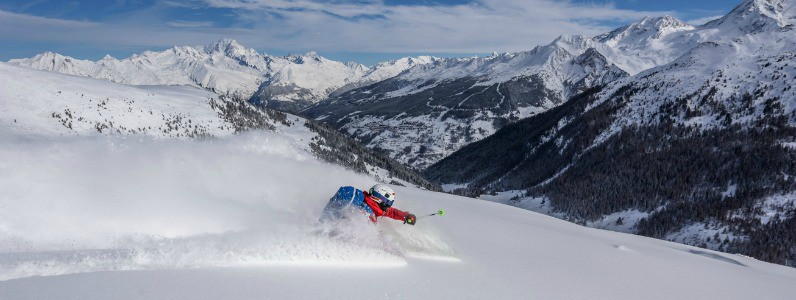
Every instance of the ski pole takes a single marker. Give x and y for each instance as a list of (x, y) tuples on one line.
[(440, 213)]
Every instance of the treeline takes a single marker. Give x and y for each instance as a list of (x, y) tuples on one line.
[(649, 166), (495, 162), (244, 116), (774, 242)]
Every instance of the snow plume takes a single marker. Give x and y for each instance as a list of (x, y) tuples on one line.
[(114, 203)]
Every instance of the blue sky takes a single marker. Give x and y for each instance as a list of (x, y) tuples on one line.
[(366, 31)]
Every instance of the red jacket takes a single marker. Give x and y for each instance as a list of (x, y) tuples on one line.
[(392, 213)]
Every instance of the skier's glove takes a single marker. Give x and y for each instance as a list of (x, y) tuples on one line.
[(410, 219)]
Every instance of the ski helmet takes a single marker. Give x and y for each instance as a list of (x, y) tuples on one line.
[(384, 194)]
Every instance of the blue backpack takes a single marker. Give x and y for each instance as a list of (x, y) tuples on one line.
[(346, 197)]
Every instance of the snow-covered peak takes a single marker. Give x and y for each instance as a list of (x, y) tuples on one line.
[(570, 41), (309, 57), (405, 61), (48, 57), (356, 66), (668, 23), (388, 69), (55, 62), (755, 16), (230, 48), (642, 32), (575, 44)]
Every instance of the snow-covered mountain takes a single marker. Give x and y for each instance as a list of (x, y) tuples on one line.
[(756, 16), (37, 103), (698, 150), (297, 82), (431, 110), (453, 102), (228, 68), (225, 67)]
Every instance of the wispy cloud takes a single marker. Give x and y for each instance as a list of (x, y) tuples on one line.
[(481, 26), (12, 21), (339, 26), (190, 24)]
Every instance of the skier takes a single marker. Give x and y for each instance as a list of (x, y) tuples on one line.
[(377, 202)]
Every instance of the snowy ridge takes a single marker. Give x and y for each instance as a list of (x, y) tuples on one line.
[(643, 31), (228, 68), (722, 73), (61, 104), (225, 67), (755, 16), (433, 109)]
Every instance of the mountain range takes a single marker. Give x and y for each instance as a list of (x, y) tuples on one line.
[(230, 69), (434, 106)]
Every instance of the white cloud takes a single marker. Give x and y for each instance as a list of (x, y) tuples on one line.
[(482, 26), (11, 21), (189, 24), (341, 26)]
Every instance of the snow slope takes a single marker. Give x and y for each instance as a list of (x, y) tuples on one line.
[(146, 215), (117, 218), (45, 103)]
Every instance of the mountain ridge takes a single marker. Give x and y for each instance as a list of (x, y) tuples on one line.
[(228, 68)]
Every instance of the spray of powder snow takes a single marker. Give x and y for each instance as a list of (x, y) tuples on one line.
[(98, 203)]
